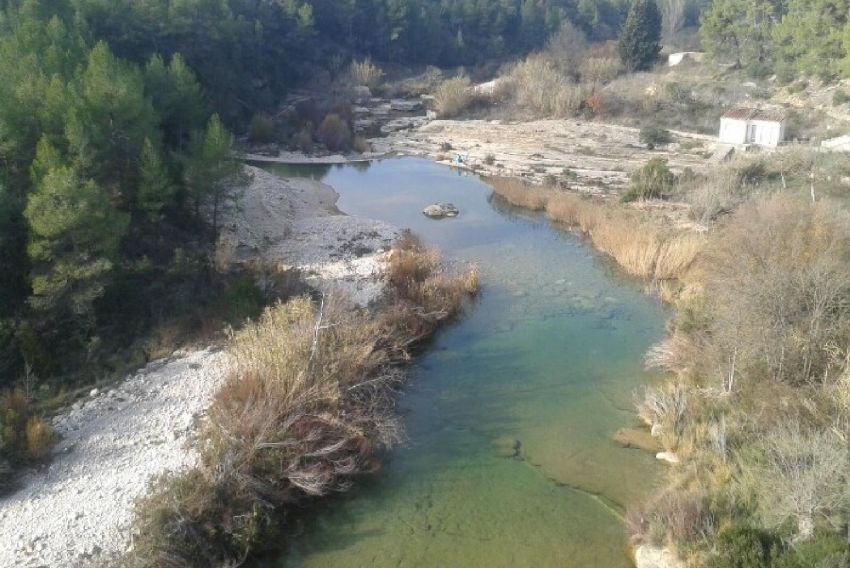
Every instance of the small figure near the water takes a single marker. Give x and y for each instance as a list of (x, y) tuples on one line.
[(440, 210)]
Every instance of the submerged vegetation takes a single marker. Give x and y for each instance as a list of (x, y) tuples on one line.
[(308, 406)]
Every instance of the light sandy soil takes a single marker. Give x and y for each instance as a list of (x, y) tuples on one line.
[(78, 511), (601, 156)]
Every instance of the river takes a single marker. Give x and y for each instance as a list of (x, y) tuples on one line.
[(510, 412)]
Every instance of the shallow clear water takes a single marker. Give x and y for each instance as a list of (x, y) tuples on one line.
[(549, 356)]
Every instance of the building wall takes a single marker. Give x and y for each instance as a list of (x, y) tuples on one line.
[(767, 133), (760, 132), (733, 131)]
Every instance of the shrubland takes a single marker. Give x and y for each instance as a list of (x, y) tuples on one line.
[(755, 405), (758, 349)]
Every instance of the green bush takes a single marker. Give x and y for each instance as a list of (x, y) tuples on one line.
[(744, 546), (840, 97), (824, 551), (652, 181), (654, 137)]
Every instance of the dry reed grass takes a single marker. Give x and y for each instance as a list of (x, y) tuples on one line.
[(641, 249), (453, 96), (541, 87), (307, 403)]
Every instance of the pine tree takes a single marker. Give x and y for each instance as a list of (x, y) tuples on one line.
[(75, 233), (639, 42), (209, 166), (108, 123), (156, 191)]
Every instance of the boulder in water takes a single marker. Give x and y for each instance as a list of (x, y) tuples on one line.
[(440, 210)]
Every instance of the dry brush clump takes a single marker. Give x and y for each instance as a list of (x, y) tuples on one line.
[(641, 249), (453, 96), (541, 87), (365, 73), (762, 351), (307, 404), (25, 437)]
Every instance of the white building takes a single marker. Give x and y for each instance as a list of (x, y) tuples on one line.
[(752, 126)]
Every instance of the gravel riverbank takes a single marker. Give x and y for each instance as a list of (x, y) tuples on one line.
[(78, 510)]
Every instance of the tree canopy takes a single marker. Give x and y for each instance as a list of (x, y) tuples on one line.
[(639, 42)]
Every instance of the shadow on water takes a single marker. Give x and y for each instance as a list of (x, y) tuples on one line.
[(511, 411)]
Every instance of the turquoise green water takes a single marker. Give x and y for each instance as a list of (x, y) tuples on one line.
[(546, 360)]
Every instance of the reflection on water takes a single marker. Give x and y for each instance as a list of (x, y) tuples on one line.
[(510, 413)]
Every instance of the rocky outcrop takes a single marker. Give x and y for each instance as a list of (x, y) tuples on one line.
[(440, 210)]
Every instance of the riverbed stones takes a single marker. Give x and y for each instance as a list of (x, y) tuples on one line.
[(441, 210)]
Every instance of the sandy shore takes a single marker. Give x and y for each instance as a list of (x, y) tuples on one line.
[(78, 511)]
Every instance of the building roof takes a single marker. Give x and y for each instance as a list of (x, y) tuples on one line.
[(745, 113)]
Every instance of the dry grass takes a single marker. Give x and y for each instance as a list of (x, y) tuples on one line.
[(40, 437), (365, 73), (641, 249), (453, 96), (600, 69), (664, 409), (307, 403), (541, 87)]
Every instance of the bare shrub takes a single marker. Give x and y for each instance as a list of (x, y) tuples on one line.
[(672, 16), (664, 408), (600, 69), (672, 355), (261, 129), (713, 197), (304, 140), (361, 145), (544, 90), (779, 285), (684, 515), (567, 48), (453, 96), (334, 133), (365, 73), (799, 475)]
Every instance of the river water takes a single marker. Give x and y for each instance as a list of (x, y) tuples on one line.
[(511, 411)]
